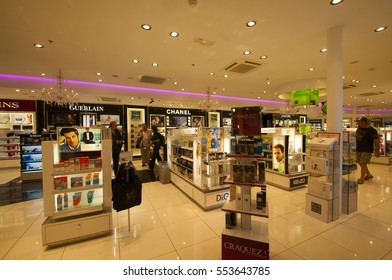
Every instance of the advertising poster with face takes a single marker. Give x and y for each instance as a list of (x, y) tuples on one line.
[(78, 139), (278, 150)]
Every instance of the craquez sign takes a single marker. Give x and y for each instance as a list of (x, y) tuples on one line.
[(246, 250), (246, 121)]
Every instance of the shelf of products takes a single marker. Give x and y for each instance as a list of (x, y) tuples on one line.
[(77, 195), (9, 146), (198, 166), (31, 155), (247, 172)]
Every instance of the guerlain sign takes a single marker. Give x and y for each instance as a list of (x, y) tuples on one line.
[(86, 108)]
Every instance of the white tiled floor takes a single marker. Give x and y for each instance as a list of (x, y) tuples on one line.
[(168, 225)]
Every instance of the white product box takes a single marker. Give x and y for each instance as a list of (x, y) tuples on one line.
[(317, 165), (246, 202), (320, 143), (349, 202), (238, 198), (321, 189), (322, 209), (246, 221)]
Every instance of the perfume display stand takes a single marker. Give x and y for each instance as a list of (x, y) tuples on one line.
[(77, 196)]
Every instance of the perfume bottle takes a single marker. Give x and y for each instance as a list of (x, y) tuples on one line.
[(65, 200), (59, 202)]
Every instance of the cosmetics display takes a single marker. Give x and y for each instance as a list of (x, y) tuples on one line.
[(246, 171), (76, 195)]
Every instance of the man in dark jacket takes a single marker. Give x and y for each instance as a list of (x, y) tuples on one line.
[(116, 145), (156, 143)]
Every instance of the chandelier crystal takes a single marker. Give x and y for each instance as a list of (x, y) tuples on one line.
[(208, 104), (59, 95)]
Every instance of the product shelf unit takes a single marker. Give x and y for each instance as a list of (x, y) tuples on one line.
[(9, 147), (195, 168), (31, 155), (77, 203), (247, 171)]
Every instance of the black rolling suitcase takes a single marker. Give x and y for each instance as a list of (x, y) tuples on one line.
[(126, 188)]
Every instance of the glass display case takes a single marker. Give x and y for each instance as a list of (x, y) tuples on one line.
[(284, 153), (31, 155), (196, 158)]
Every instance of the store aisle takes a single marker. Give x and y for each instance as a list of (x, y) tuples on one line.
[(167, 225)]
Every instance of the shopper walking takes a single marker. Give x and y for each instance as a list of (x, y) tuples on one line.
[(367, 143), (156, 143), (116, 145), (145, 144)]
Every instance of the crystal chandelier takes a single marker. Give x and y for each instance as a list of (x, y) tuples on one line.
[(208, 104), (59, 95)]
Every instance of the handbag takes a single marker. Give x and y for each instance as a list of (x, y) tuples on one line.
[(126, 188)]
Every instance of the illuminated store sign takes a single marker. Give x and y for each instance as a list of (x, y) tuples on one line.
[(17, 105), (178, 112), (86, 108)]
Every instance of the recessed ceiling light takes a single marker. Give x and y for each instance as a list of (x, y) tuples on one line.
[(100, 80), (268, 83), (175, 83), (263, 57), (324, 50), (154, 64), (43, 74), (374, 86), (135, 61), (226, 76), (32, 91), (174, 34), (99, 74), (251, 23), (38, 46), (247, 52), (311, 69), (335, 2), (17, 90), (146, 27), (379, 29), (211, 73)]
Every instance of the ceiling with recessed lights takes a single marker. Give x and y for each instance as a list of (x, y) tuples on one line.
[(176, 51)]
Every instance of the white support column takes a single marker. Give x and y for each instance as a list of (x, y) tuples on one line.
[(335, 90)]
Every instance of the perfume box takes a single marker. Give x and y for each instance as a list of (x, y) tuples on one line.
[(89, 177), (238, 198), (76, 182), (250, 173), (238, 173), (322, 209), (317, 165), (321, 189), (96, 179), (60, 183), (246, 201)]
